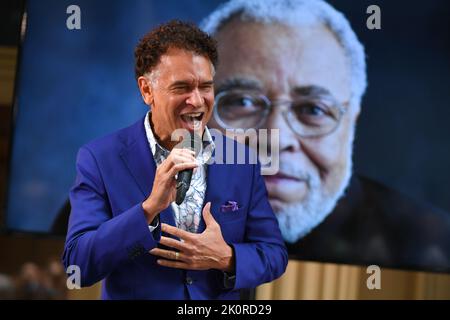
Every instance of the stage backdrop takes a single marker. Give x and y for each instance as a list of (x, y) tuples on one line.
[(76, 85)]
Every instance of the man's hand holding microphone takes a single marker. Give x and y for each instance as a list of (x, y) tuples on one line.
[(207, 250)]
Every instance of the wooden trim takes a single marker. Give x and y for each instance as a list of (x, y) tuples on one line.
[(312, 280), (8, 59)]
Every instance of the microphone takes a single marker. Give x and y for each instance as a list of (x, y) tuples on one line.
[(192, 142)]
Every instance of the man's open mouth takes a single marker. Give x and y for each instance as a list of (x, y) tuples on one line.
[(193, 120), (191, 117)]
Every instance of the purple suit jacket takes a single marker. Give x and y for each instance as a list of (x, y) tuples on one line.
[(109, 239)]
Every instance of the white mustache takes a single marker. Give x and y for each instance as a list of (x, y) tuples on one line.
[(290, 169)]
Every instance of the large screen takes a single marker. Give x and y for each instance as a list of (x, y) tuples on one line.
[(373, 189)]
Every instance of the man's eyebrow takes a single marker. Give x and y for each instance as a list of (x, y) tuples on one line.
[(238, 83), (312, 91), (183, 83), (180, 83), (253, 84), (207, 83)]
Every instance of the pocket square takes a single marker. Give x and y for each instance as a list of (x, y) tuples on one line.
[(229, 206)]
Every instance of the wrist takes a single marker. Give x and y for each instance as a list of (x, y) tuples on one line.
[(227, 264), (150, 210)]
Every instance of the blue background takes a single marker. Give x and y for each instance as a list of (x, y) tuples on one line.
[(77, 85)]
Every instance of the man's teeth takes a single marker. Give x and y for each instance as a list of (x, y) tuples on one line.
[(192, 116)]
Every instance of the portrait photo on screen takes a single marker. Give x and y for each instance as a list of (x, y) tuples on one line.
[(357, 92)]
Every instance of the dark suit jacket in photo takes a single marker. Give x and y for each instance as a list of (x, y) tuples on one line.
[(373, 224)]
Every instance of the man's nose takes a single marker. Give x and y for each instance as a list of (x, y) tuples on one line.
[(289, 141), (195, 99)]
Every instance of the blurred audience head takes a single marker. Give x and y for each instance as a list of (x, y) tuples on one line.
[(35, 282)]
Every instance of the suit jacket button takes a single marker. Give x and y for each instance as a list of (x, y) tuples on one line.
[(189, 280)]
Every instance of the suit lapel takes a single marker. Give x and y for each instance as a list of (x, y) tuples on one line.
[(139, 160)]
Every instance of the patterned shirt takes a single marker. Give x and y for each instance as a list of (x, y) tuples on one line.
[(188, 214)]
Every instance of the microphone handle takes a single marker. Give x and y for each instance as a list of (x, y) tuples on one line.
[(183, 183)]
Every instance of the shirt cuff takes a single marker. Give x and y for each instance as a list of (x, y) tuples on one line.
[(154, 224)]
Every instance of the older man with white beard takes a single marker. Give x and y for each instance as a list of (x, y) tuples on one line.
[(297, 66)]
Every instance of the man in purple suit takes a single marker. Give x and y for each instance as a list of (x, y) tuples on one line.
[(125, 227)]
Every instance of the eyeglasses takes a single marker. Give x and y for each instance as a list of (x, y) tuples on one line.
[(306, 116)]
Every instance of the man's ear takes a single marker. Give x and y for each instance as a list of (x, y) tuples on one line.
[(146, 90)]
